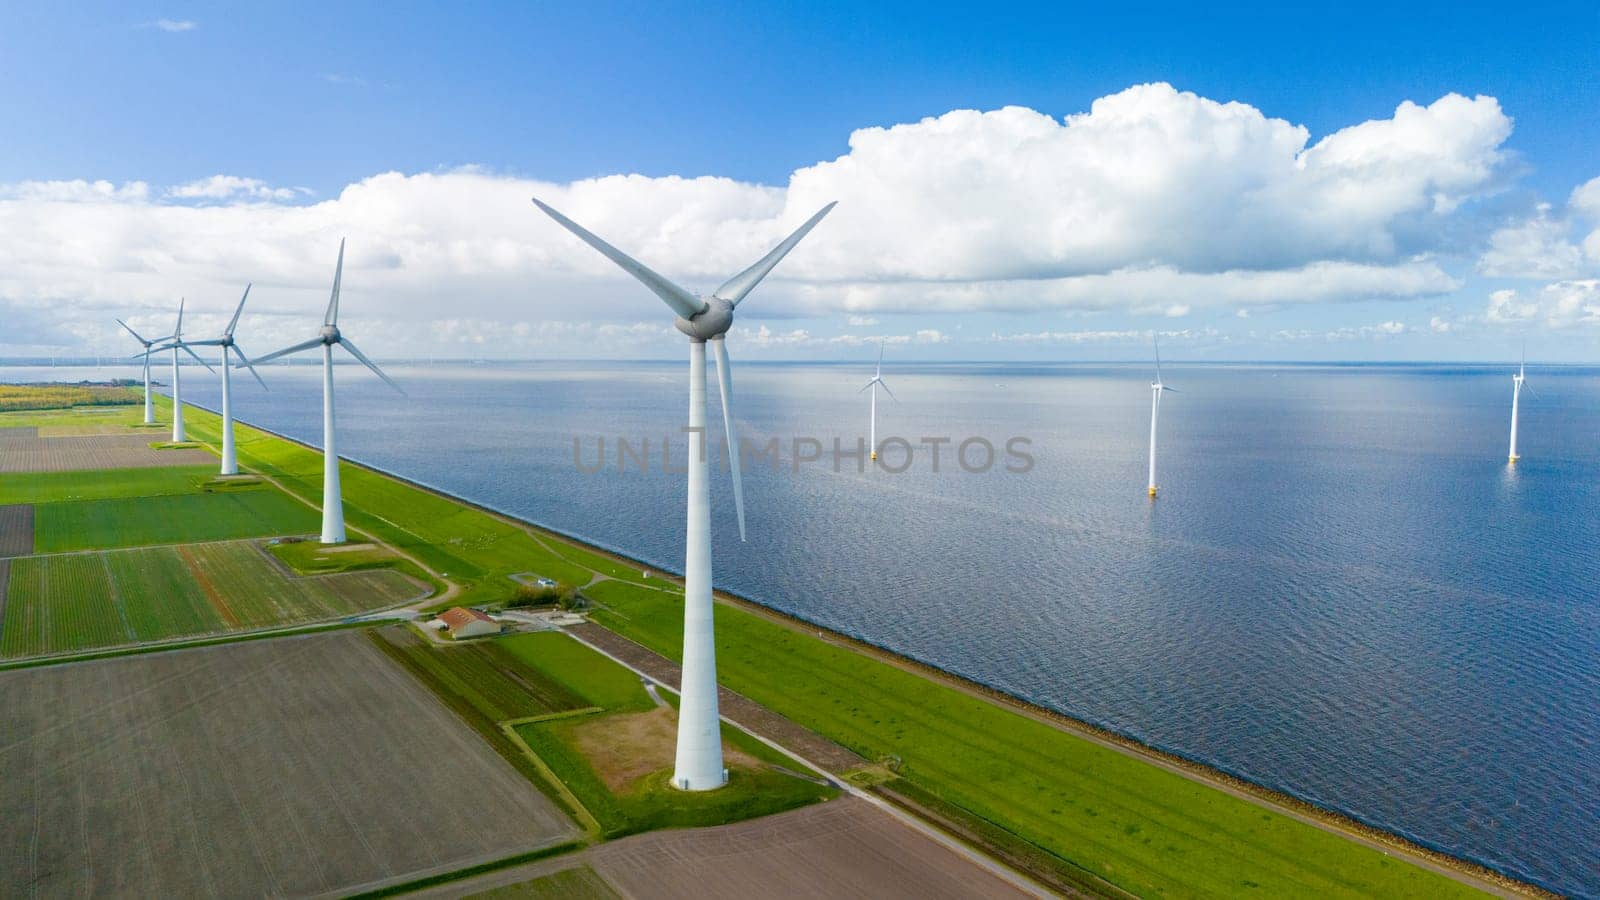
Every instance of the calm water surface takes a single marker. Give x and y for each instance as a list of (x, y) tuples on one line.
[(1343, 593)]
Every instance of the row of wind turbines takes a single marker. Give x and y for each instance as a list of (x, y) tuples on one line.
[(328, 336), (703, 319)]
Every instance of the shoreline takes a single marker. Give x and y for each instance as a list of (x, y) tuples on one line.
[(1344, 824)]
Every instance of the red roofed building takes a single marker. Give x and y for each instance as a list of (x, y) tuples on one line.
[(462, 622)]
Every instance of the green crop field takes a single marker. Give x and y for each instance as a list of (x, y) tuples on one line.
[(1137, 826), (484, 676), (102, 484), (168, 519), (81, 601)]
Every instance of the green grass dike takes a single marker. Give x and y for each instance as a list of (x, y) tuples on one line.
[(1125, 821)]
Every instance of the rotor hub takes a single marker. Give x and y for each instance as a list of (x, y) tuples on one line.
[(330, 334), (712, 322)]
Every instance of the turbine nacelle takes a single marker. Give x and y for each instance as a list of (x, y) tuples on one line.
[(710, 323), (329, 334)]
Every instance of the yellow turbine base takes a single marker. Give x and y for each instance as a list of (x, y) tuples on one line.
[(874, 454), (1152, 493), (1513, 458)]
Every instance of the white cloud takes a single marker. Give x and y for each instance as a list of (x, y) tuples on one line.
[(1440, 325), (1562, 304), (230, 187), (1380, 331), (175, 26), (344, 78), (1104, 336), (1537, 247), (1154, 201)]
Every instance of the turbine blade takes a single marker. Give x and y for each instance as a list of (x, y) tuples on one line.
[(235, 320), (889, 392), (331, 317), (1171, 389), (178, 332), (870, 383), (345, 343), (1156, 339), (136, 335), (881, 345), (307, 345), (725, 381), (245, 361), (735, 288), (190, 351), (682, 302)]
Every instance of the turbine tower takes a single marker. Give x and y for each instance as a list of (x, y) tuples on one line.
[(230, 462), (875, 382), (327, 337), (149, 407), (176, 343), (698, 766), (1517, 381), (1156, 389)]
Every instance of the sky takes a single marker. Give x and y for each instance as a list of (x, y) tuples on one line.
[(1282, 182)]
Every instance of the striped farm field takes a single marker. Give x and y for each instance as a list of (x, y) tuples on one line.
[(69, 602)]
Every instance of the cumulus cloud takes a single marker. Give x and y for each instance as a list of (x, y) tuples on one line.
[(1563, 304), (1379, 331), (1105, 336), (1153, 202), (1538, 247)]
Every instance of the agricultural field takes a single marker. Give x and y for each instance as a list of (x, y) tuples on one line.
[(168, 519), (15, 397), (103, 484), (299, 766), (81, 601), (484, 675), (16, 530), (97, 451)]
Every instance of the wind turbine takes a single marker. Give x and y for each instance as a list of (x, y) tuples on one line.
[(1517, 381), (1156, 389), (149, 407), (698, 766), (176, 343), (230, 463), (875, 382), (327, 337)]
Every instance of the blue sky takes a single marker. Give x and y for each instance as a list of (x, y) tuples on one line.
[(324, 96)]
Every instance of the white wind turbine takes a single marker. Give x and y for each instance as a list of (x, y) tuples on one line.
[(875, 382), (149, 407), (230, 462), (176, 343), (327, 337), (1517, 382), (698, 766), (1156, 389)]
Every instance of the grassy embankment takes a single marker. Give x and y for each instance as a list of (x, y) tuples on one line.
[(1137, 826)]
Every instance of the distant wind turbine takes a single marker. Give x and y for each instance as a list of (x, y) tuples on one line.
[(1156, 389), (327, 337), (875, 382), (230, 463), (176, 343), (149, 407), (698, 766), (1517, 382)]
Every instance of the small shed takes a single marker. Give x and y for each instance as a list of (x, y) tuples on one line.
[(462, 622)]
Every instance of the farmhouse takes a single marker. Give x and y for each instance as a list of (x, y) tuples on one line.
[(465, 623)]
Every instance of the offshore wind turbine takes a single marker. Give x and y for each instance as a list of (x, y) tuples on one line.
[(1156, 390), (875, 382), (230, 462), (327, 337), (149, 407), (1517, 382), (176, 343), (698, 764)]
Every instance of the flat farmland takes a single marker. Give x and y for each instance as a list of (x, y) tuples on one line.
[(16, 530), (102, 484), (81, 601), (109, 451), (290, 767), (168, 519)]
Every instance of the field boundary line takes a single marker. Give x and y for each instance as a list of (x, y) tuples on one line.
[(591, 825), (550, 717)]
